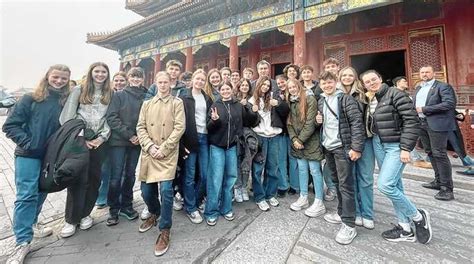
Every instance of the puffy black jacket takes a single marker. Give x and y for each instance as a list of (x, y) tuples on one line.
[(31, 123), (395, 118), (190, 138), (122, 115), (225, 131), (351, 126), (66, 159)]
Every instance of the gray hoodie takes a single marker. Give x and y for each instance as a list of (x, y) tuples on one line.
[(330, 138)]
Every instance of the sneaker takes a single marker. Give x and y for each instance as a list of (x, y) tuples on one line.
[(112, 220), (263, 205), (330, 195), (346, 234), (368, 223), (211, 221), (333, 218), (431, 185), (301, 203), (19, 254), (100, 205), (273, 202), (444, 195), (195, 217), (423, 227), (177, 202), (229, 216), (86, 223), (281, 193), (67, 230), (202, 206), (129, 213), (238, 195), (245, 194), (397, 234), (145, 214), (292, 191), (316, 209), (358, 221), (162, 242), (148, 224), (40, 231)]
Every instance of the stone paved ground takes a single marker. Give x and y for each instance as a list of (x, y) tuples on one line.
[(278, 236)]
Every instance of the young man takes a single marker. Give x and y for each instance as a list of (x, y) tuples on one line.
[(343, 137), (159, 139), (248, 73), (173, 68), (401, 83)]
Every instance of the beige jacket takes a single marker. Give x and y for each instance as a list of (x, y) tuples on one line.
[(161, 122)]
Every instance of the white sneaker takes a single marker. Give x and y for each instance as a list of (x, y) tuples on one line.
[(19, 254), (245, 194), (238, 195), (195, 217), (301, 203), (273, 202), (86, 223), (263, 205), (346, 234), (145, 214), (178, 202), (333, 218), (358, 221), (67, 230), (40, 231), (367, 223), (316, 209)]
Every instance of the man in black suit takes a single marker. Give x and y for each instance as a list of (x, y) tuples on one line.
[(435, 103)]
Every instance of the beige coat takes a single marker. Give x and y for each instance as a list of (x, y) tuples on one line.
[(161, 122)]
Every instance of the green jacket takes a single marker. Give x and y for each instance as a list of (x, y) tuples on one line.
[(306, 132)]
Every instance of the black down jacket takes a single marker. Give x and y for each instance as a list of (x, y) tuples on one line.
[(395, 118), (66, 159)]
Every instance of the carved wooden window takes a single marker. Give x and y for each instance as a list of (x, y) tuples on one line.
[(337, 51)]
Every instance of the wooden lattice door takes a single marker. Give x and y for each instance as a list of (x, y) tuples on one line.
[(426, 47)]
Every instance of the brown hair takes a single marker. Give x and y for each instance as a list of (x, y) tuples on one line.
[(88, 88), (41, 91), (174, 63), (370, 71), (120, 73), (325, 75), (208, 87), (294, 66), (306, 67), (248, 69), (356, 87), (135, 72), (258, 93), (303, 105), (330, 60), (238, 94)]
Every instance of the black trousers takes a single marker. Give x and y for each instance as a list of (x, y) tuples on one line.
[(81, 197), (435, 144), (341, 170)]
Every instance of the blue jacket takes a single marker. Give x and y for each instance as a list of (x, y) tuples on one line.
[(440, 107), (31, 123)]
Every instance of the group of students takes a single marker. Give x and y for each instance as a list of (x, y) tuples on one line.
[(176, 128)]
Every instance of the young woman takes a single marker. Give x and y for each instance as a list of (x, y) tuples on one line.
[(33, 120), (225, 127), (225, 73), (364, 166), (395, 125), (214, 79), (124, 151), (194, 146), (271, 109), (119, 82), (88, 102), (306, 147), (292, 71)]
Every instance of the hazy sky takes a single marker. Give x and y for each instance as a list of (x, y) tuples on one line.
[(35, 34)]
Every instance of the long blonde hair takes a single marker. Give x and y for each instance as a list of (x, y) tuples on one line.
[(208, 87), (41, 90), (303, 103), (88, 88), (356, 87)]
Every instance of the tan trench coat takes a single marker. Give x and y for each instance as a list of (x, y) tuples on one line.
[(161, 122)]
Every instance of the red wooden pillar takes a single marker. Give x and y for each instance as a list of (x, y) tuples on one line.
[(233, 54), (157, 63), (299, 52), (189, 59)]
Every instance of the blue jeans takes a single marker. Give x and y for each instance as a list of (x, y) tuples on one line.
[(221, 180), (29, 200), (364, 182), (284, 159), (328, 179), (267, 188), (124, 163), (195, 192), (305, 166), (390, 178), (163, 208), (104, 181)]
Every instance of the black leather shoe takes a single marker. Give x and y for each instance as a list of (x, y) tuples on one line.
[(431, 185), (444, 195)]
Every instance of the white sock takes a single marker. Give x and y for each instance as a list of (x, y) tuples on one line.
[(405, 226), (418, 216)]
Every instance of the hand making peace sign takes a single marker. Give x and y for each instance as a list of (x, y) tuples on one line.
[(214, 115)]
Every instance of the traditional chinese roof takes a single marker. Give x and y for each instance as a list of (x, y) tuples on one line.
[(148, 7)]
